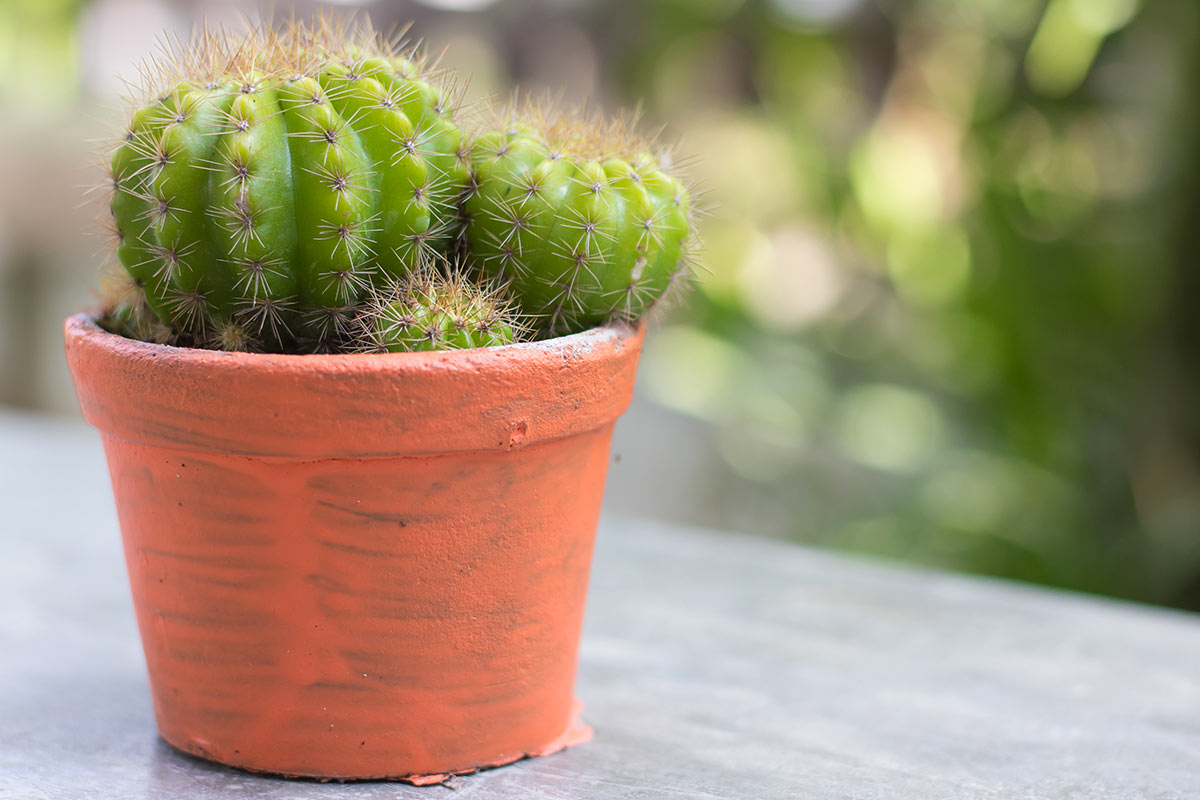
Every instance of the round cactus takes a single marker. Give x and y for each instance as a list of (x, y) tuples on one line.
[(426, 311), (579, 216), (278, 177)]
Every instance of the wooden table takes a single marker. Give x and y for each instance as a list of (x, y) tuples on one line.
[(713, 666)]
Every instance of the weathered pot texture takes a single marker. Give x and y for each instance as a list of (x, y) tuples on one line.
[(359, 566)]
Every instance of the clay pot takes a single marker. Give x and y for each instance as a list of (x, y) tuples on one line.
[(359, 566)]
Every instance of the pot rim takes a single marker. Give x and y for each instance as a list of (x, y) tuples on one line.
[(86, 322), (352, 405)]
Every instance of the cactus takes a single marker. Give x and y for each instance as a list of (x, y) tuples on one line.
[(426, 311), (275, 181), (278, 177), (578, 216)]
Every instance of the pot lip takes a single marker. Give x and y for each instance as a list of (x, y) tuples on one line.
[(352, 405), (84, 326)]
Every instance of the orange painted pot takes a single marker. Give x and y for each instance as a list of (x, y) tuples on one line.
[(359, 566)]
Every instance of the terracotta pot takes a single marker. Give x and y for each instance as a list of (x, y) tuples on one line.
[(359, 566)]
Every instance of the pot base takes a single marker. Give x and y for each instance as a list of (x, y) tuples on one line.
[(578, 732)]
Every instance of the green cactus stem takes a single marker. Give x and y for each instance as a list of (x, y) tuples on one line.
[(579, 216), (277, 177)]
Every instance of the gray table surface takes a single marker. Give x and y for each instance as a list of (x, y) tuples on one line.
[(713, 666)]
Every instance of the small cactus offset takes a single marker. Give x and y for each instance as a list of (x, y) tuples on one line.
[(578, 216), (277, 177), (427, 311)]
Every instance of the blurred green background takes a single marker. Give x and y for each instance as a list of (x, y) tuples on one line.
[(950, 257)]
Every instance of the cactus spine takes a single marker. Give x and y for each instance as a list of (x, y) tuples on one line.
[(578, 215), (281, 175)]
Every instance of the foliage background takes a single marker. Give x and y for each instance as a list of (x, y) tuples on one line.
[(948, 308)]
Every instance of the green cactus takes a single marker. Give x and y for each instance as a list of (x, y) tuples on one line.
[(426, 311), (578, 216), (279, 177)]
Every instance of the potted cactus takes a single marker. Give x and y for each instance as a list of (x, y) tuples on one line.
[(356, 384)]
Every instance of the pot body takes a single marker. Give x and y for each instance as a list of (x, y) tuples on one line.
[(359, 566)]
